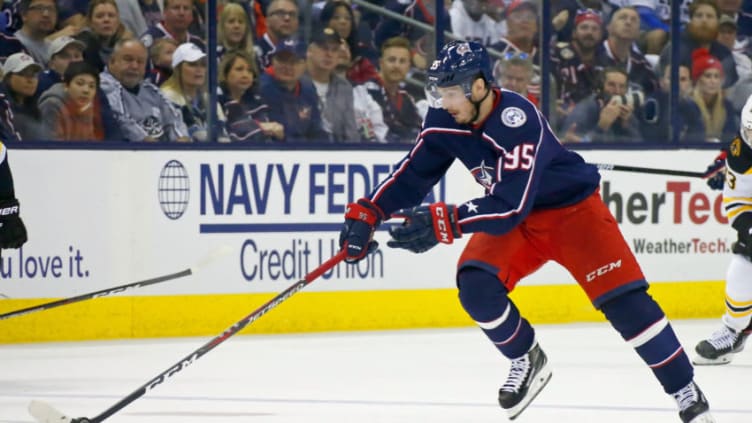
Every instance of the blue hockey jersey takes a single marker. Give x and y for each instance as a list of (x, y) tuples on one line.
[(513, 154)]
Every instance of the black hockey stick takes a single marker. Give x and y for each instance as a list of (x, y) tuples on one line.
[(46, 413), (117, 289), (608, 166)]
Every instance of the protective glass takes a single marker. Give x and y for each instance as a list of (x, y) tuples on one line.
[(443, 97)]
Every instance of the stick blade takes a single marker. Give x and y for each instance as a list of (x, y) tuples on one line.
[(46, 413)]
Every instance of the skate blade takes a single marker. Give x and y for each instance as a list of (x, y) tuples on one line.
[(703, 418), (699, 360), (540, 382)]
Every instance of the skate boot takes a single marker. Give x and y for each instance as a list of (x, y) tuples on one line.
[(693, 407), (721, 346), (527, 377)]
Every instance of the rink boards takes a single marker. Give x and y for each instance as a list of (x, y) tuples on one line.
[(98, 219)]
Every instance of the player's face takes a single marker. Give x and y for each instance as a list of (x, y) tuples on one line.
[(81, 90), (454, 101)]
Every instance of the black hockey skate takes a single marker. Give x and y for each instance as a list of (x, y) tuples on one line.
[(721, 346), (693, 407), (528, 375)]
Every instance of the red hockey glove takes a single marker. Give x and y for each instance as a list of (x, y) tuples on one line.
[(424, 227), (361, 220)]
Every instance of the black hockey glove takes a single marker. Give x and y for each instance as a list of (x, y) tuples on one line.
[(715, 174), (12, 229), (424, 227), (361, 220)]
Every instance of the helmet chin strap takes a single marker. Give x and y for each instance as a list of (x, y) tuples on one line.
[(476, 104)]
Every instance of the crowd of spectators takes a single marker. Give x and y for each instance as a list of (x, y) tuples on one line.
[(293, 71)]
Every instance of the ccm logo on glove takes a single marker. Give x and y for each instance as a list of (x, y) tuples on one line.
[(441, 223)]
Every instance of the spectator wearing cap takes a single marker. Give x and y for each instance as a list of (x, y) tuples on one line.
[(292, 100), (477, 20), (398, 108), (575, 69), (63, 51), (104, 29), (282, 22), (39, 18), (522, 29), (742, 89), (565, 12), (177, 19), (247, 112), (18, 103), (701, 32), (142, 112), (618, 50), (335, 93), (717, 112), (186, 89)]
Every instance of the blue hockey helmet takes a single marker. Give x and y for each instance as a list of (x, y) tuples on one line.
[(458, 63)]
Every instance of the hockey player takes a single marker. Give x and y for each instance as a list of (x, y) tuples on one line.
[(12, 229), (721, 346), (541, 203)]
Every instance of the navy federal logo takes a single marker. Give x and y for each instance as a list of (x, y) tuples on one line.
[(174, 189)]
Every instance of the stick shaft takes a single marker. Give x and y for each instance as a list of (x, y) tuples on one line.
[(101, 293), (637, 169), (214, 342)]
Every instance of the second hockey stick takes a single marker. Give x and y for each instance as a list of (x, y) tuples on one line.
[(654, 171), (115, 290), (46, 413)]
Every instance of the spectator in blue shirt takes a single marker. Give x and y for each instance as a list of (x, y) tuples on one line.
[(292, 102)]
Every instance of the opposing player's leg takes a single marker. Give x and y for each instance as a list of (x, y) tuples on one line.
[(608, 272), (484, 297), (724, 343)]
